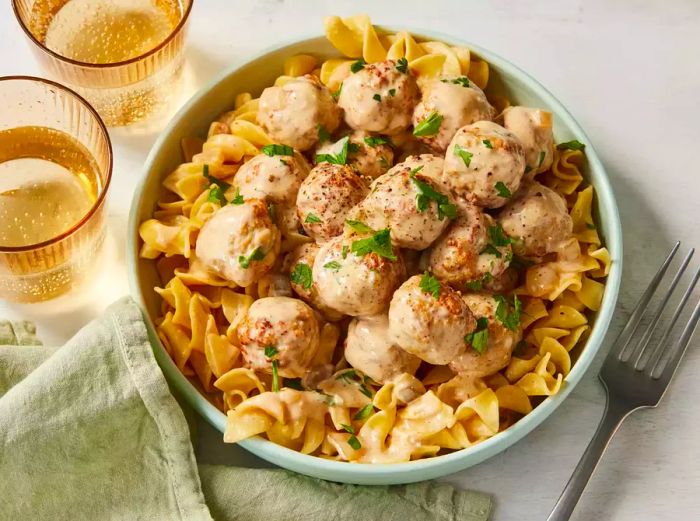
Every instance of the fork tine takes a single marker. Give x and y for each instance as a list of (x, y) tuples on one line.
[(678, 349), (656, 354), (623, 339), (641, 346)]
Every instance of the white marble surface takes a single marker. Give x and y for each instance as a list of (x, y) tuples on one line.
[(628, 71)]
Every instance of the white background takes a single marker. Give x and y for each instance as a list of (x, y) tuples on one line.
[(628, 70)]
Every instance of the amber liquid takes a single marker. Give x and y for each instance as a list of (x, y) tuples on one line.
[(114, 31), (48, 184)]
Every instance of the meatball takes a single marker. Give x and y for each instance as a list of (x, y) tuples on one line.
[(325, 198), (356, 284), (284, 327), (394, 203), (275, 179), (533, 127), (369, 349), (239, 242), (466, 252), (485, 360), (537, 217), (429, 324), (379, 98), (300, 262), (486, 161), (369, 155), (293, 113), (459, 102)]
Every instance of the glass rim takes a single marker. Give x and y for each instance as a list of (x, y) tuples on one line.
[(60, 57), (103, 193)]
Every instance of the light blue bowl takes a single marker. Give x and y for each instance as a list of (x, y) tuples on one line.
[(253, 76)]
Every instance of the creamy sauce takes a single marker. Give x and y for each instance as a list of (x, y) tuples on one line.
[(533, 127)]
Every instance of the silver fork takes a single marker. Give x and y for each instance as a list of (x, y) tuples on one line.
[(634, 374)]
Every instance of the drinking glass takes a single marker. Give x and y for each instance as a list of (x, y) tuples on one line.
[(124, 56), (46, 269)]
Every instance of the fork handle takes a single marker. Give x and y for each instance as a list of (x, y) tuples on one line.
[(612, 418)]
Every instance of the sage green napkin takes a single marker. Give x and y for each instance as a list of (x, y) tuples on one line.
[(90, 431)]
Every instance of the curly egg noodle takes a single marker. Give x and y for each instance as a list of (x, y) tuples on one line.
[(339, 412)]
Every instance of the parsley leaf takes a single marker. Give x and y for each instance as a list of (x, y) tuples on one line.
[(344, 251), (427, 193), (509, 319), (237, 198), (392, 92), (497, 236), (277, 150), (541, 159), (479, 338), (271, 352), (462, 80), (359, 226), (527, 168), (312, 218), (429, 126), (333, 265), (464, 154), (478, 284), (340, 158), (402, 65), (373, 141), (302, 275), (487, 143), (353, 148), (275, 376), (352, 440), (323, 134), (502, 190), (574, 144), (218, 187), (491, 250), (347, 376), (294, 383), (256, 255), (358, 65), (379, 243), (216, 195), (364, 413), (590, 226), (336, 94), (377, 97), (430, 284)]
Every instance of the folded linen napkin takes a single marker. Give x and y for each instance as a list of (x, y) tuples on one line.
[(90, 431)]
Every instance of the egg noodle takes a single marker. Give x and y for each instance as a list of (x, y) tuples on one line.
[(348, 416)]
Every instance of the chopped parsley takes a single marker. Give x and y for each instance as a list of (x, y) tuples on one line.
[(574, 144), (333, 265), (272, 212), (497, 236), (462, 80), (237, 197), (353, 148), (218, 187), (392, 92), (256, 255), (402, 65), (351, 377), (478, 284), (364, 413), (340, 158), (277, 150), (270, 353), (302, 275), (344, 252), (509, 318), (336, 94), (590, 226), (491, 250), (384, 162), (430, 284), (379, 243), (352, 440), (294, 383), (323, 134), (541, 159), (427, 193), (373, 141), (527, 168), (377, 97), (313, 218), (359, 226), (358, 65), (502, 190), (479, 338), (464, 154), (429, 126), (487, 143)]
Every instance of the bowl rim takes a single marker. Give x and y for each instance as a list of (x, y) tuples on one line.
[(428, 468)]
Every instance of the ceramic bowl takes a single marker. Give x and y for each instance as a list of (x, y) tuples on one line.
[(253, 75)]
